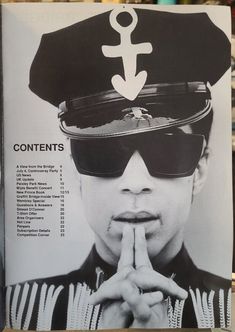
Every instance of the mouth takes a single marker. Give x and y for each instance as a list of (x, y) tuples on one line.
[(135, 218)]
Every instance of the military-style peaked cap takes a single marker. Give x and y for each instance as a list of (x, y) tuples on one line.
[(130, 70)]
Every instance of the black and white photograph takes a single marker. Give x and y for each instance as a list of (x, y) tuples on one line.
[(117, 165)]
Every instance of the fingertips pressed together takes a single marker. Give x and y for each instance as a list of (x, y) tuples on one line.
[(127, 248), (141, 249), (129, 279)]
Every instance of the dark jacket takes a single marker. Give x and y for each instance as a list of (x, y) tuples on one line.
[(208, 303)]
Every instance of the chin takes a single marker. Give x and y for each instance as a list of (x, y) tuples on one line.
[(154, 247), (114, 249)]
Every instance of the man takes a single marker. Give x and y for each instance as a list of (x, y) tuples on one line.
[(133, 90)]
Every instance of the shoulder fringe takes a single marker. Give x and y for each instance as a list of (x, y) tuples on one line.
[(204, 308), (48, 297), (14, 312), (175, 313), (83, 316), (80, 314)]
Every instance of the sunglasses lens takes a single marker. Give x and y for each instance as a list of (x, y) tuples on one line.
[(173, 155), (165, 155), (102, 157)]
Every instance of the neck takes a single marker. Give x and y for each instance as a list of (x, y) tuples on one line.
[(106, 253), (170, 250)]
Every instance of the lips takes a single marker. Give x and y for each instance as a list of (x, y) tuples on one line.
[(135, 218)]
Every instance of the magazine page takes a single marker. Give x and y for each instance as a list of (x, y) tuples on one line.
[(118, 204)]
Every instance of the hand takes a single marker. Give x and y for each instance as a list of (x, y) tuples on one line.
[(110, 293), (124, 306), (150, 308), (148, 279), (116, 313)]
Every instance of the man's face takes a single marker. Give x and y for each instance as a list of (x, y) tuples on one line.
[(161, 205)]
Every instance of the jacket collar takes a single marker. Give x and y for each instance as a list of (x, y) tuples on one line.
[(179, 267)]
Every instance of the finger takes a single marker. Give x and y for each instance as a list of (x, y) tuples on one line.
[(154, 281), (141, 250), (107, 291), (150, 299), (125, 308), (138, 307), (153, 298), (121, 275), (127, 250), (113, 316)]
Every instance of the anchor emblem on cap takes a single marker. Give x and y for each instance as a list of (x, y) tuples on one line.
[(130, 86), (138, 113)]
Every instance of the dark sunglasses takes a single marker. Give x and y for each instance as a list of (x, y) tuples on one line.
[(165, 155)]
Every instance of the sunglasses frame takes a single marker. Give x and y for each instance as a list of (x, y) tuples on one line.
[(119, 172)]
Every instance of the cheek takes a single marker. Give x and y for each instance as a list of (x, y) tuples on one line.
[(178, 197), (97, 200), (92, 189)]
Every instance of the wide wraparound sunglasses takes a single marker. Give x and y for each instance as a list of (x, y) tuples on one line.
[(165, 155)]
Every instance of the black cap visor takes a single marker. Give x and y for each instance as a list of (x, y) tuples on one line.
[(158, 107)]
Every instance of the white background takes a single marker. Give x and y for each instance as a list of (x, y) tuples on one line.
[(28, 119)]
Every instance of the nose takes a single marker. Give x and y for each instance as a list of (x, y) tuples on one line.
[(136, 178)]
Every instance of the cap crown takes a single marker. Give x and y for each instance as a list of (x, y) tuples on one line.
[(70, 62)]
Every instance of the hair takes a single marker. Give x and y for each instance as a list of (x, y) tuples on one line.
[(203, 126)]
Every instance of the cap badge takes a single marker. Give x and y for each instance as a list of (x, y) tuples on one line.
[(130, 86), (138, 113)]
